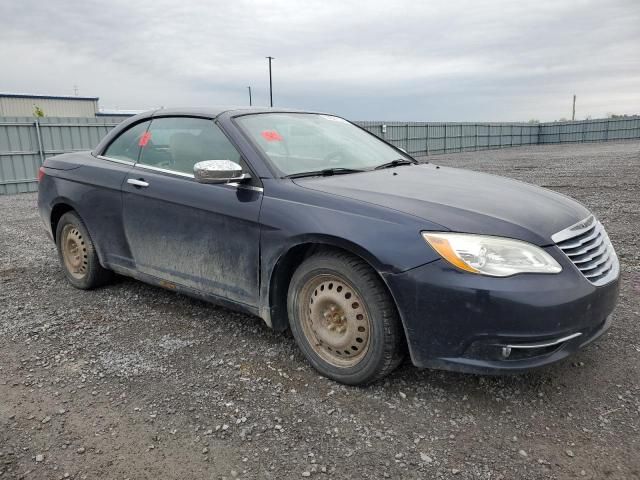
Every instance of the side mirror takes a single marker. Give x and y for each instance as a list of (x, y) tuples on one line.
[(218, 171)]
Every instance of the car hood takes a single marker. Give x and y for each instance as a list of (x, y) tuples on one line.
[(460, 200)]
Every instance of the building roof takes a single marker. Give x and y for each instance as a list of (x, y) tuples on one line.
[(47, 97), (118, 113)]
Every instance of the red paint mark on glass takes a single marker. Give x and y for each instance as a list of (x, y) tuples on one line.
[(144, 139), (271, 136)]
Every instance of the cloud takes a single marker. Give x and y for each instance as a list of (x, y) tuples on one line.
[(404, 60)]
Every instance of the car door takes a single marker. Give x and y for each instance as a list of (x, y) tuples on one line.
[(202, 236), (101, 195)]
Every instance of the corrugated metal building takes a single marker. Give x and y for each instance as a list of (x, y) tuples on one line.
[(24, 105)]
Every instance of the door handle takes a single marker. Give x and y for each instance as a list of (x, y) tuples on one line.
[(137, 183)]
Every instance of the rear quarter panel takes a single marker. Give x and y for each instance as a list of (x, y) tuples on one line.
[(92, 187)]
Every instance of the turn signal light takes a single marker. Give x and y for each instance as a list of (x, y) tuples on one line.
[(446, 251)]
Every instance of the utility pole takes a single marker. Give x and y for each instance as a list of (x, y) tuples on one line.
[(270, 81), (573, 112), (249, 95)]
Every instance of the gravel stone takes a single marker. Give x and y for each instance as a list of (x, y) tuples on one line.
[(180, 375)]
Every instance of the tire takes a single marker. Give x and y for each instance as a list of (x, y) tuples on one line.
[(77, 254), (343, 318)]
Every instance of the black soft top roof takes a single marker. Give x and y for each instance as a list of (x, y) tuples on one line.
[(204, 112)]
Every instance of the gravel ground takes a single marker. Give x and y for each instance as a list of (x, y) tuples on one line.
[(131, 381)]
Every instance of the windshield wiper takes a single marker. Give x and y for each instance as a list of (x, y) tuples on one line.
[(395, 163), (325, 172)]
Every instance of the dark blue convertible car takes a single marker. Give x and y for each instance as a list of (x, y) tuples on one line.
[(316, 225)]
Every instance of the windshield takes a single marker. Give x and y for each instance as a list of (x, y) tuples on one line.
[(296, 143)]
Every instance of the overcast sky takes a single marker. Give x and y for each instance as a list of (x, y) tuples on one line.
[(371, 60)]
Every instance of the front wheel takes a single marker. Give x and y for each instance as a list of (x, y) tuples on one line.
[(343, 318)]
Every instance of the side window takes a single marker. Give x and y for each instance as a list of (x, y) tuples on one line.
[(178, 143), (127, 145)]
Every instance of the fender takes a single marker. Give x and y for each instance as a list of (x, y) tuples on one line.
[(277, 268)]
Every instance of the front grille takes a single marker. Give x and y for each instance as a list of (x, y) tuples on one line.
[(588, 246)]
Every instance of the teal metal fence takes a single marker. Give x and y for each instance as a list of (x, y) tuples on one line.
[(25, 142), (422, 138), (599, 130)]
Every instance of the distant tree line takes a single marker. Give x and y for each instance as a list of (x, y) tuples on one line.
[(588, 117)]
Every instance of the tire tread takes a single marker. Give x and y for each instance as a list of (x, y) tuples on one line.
[(393, 338)]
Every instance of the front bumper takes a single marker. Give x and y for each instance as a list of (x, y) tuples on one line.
[(458, 321)]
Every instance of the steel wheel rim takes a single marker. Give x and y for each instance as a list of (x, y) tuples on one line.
[(335, 320), (74, 251)]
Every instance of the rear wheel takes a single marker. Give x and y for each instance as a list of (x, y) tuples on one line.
[(343, 318), (77, 254)]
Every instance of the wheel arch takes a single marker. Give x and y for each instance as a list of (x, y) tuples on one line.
[(287, 262), (57, 211), (63, 205)]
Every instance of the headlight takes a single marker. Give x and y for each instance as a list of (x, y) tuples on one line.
[(494, 256)]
